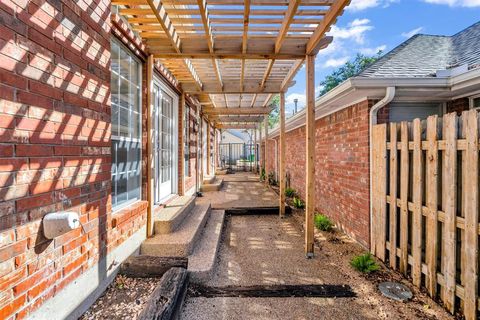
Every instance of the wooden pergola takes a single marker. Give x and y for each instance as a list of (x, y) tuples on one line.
[(234, 55)]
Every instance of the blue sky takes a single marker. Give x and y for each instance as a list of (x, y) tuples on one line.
[(370, 25)]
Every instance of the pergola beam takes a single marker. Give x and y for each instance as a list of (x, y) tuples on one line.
[(287, 20), (229, 55), (282, 175), (223, 118), (235, 126), (237, 111)]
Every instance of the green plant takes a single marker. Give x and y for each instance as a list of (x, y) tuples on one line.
[(262, 175), (298, 203), (271, 179), (290, 192), (322, 222), (364, 263)]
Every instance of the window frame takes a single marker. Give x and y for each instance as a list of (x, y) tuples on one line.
[(471, 101), (118, 207)]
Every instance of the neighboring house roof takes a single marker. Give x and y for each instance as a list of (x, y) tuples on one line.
[(422, 56)]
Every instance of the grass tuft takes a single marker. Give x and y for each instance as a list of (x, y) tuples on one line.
[(364, 263), (290, 192), (298, 203), (322, 222)]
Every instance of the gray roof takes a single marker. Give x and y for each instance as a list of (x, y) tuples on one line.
[(422, 55)]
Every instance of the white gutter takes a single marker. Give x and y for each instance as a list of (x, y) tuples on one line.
[(389, 95)]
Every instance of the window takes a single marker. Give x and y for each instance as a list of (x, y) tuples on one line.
[(475, 102), (126, 126), (186, 121)]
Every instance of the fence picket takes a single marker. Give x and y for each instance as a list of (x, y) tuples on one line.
[(404, 175), (471, 216), (379, 192), (417, 202), (431, 188), (449, 184), (393, 195)]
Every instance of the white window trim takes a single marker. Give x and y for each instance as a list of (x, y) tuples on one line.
[(116, 209)]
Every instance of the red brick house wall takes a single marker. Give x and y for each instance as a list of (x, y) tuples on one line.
[(341, 168)]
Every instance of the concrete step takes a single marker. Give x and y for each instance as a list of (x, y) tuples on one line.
[(202, 261), (208, 179), (215, 186), (181, 242), (221, 172), (169, 218)]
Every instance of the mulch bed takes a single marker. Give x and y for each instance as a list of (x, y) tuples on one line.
[(125, 298)]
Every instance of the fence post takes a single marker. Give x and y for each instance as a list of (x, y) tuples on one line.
[(393, 195), (417, 197), (379, 190)]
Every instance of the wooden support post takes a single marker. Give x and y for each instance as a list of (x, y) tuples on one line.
[(265, 123), (181, 146), (150, 141), (208, 155), (261, 158), (282, 155), (255, 150), (215, 150), (310, 156)]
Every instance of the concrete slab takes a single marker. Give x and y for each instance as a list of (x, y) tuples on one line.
[(169, 218), (241, 190)]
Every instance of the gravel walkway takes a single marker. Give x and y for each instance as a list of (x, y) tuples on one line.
[(266, 250)]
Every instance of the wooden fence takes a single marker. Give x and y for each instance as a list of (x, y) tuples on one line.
[(425, 213)]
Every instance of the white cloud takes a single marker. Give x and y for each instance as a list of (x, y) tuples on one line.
[(372, 51), (456, 3), (336, 62), (358, 5), (411, 33), (355, 30)]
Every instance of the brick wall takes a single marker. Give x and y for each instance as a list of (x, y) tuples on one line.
[(54, 147), (341, 167)]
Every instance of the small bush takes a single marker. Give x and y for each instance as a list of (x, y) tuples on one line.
[(364, 263), (290, 192), (262, 175), (322, 222), (298, 203), (271, 179)]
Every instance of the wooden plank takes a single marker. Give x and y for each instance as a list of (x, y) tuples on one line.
[(393, 195), (150, 142), (237, 111), (144, 266), (404, 175), (310, 156), (282, 156), (471, 216), (417, 191), (379, 190), (287, 20), (449, 186), (209, 150), (431, 193)]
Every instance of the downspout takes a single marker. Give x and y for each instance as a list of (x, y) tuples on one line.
[(389, 95)]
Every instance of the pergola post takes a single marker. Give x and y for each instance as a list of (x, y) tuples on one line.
[(260, 156), (282, 155), (265, 124), (150, 141), (310, 155), (208, 149), (255, 150), (181, 147)]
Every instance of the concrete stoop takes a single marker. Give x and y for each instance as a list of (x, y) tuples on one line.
[(214, 185), (180, 242), (220, 172), (169, 218), (202, 261)]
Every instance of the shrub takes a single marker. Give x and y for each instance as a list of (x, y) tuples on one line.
[(271, 179), (364, 263), (290, 192), (298, 203), (262, 175), (322, 222)]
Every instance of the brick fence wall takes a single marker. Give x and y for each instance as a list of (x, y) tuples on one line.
[(341, 168), (54, 147)]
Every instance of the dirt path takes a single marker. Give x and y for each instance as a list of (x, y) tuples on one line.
[(266, 250)]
